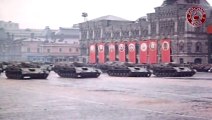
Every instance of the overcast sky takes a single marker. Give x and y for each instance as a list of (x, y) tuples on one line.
[(65, 13)]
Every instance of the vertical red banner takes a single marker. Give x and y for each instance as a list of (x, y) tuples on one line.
[(165, 51), (152, 51), (143, 51), (92, 51), (132, 52), (101, 52), (112, 52), (122, 56), (209, 29)]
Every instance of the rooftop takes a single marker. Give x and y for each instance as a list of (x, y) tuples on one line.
[(198, 2), (109, 17)]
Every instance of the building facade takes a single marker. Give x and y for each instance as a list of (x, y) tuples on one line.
[(166, 27), (39, 45)]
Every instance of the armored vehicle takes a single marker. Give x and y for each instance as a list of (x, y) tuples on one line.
[(105, 66), (1, 68), (202, 67), (26, 70), (124, 69), (172, 70), (76, 70)]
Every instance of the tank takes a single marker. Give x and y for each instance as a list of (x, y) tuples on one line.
[(124, 69), (76, 70), (172, 70), (1, 68), (26, 70), (105, 66), (202, 67)]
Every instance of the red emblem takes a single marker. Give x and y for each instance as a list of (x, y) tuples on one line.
[(196, 16)]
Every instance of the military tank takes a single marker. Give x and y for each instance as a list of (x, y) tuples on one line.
[(105, 66), (1, 68), (172, 70), (202, 67), (124, 69), (76, 70), (26, 70)]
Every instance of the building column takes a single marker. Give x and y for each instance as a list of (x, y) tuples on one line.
[(87, 36), (175, 26), (186, 26), (149, 28), (111, 34), (93, 36), (157, 27), (101, 33)]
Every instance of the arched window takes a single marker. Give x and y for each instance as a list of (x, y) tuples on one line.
[(198, 61), (60, 49), (181, 46), (70, 50), (181, 60), (198, 47), (189, 47)]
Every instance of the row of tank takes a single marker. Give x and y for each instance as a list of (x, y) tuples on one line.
[(21, 70)]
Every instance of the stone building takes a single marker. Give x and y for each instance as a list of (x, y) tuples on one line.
[(187, 43), (39, 45), (9, 25)]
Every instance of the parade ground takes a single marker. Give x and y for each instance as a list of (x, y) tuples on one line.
[(107, 98)]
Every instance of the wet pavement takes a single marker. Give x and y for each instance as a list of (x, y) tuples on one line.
[(107, 98)]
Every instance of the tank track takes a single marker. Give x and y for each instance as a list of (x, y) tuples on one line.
[(127, 73)]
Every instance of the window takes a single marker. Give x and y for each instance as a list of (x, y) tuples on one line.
[(198, 47), (38, 50), (198, 61), (189, 47), (181, 46), (48, 50), (60, 49), (77, 49), (153, 28), (70, 49), (181, 26), (28, 49), (181, 60)]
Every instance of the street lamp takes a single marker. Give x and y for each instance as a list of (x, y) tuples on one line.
[(85, 15)]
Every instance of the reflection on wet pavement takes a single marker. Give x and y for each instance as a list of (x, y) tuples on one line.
[(107, 98)]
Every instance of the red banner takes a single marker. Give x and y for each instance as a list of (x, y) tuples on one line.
[(122, 57), (112, 52), (165, 51), (92, 51), (209, 29), (132, 52), (152, 51), (101, 52), (143, 51)]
